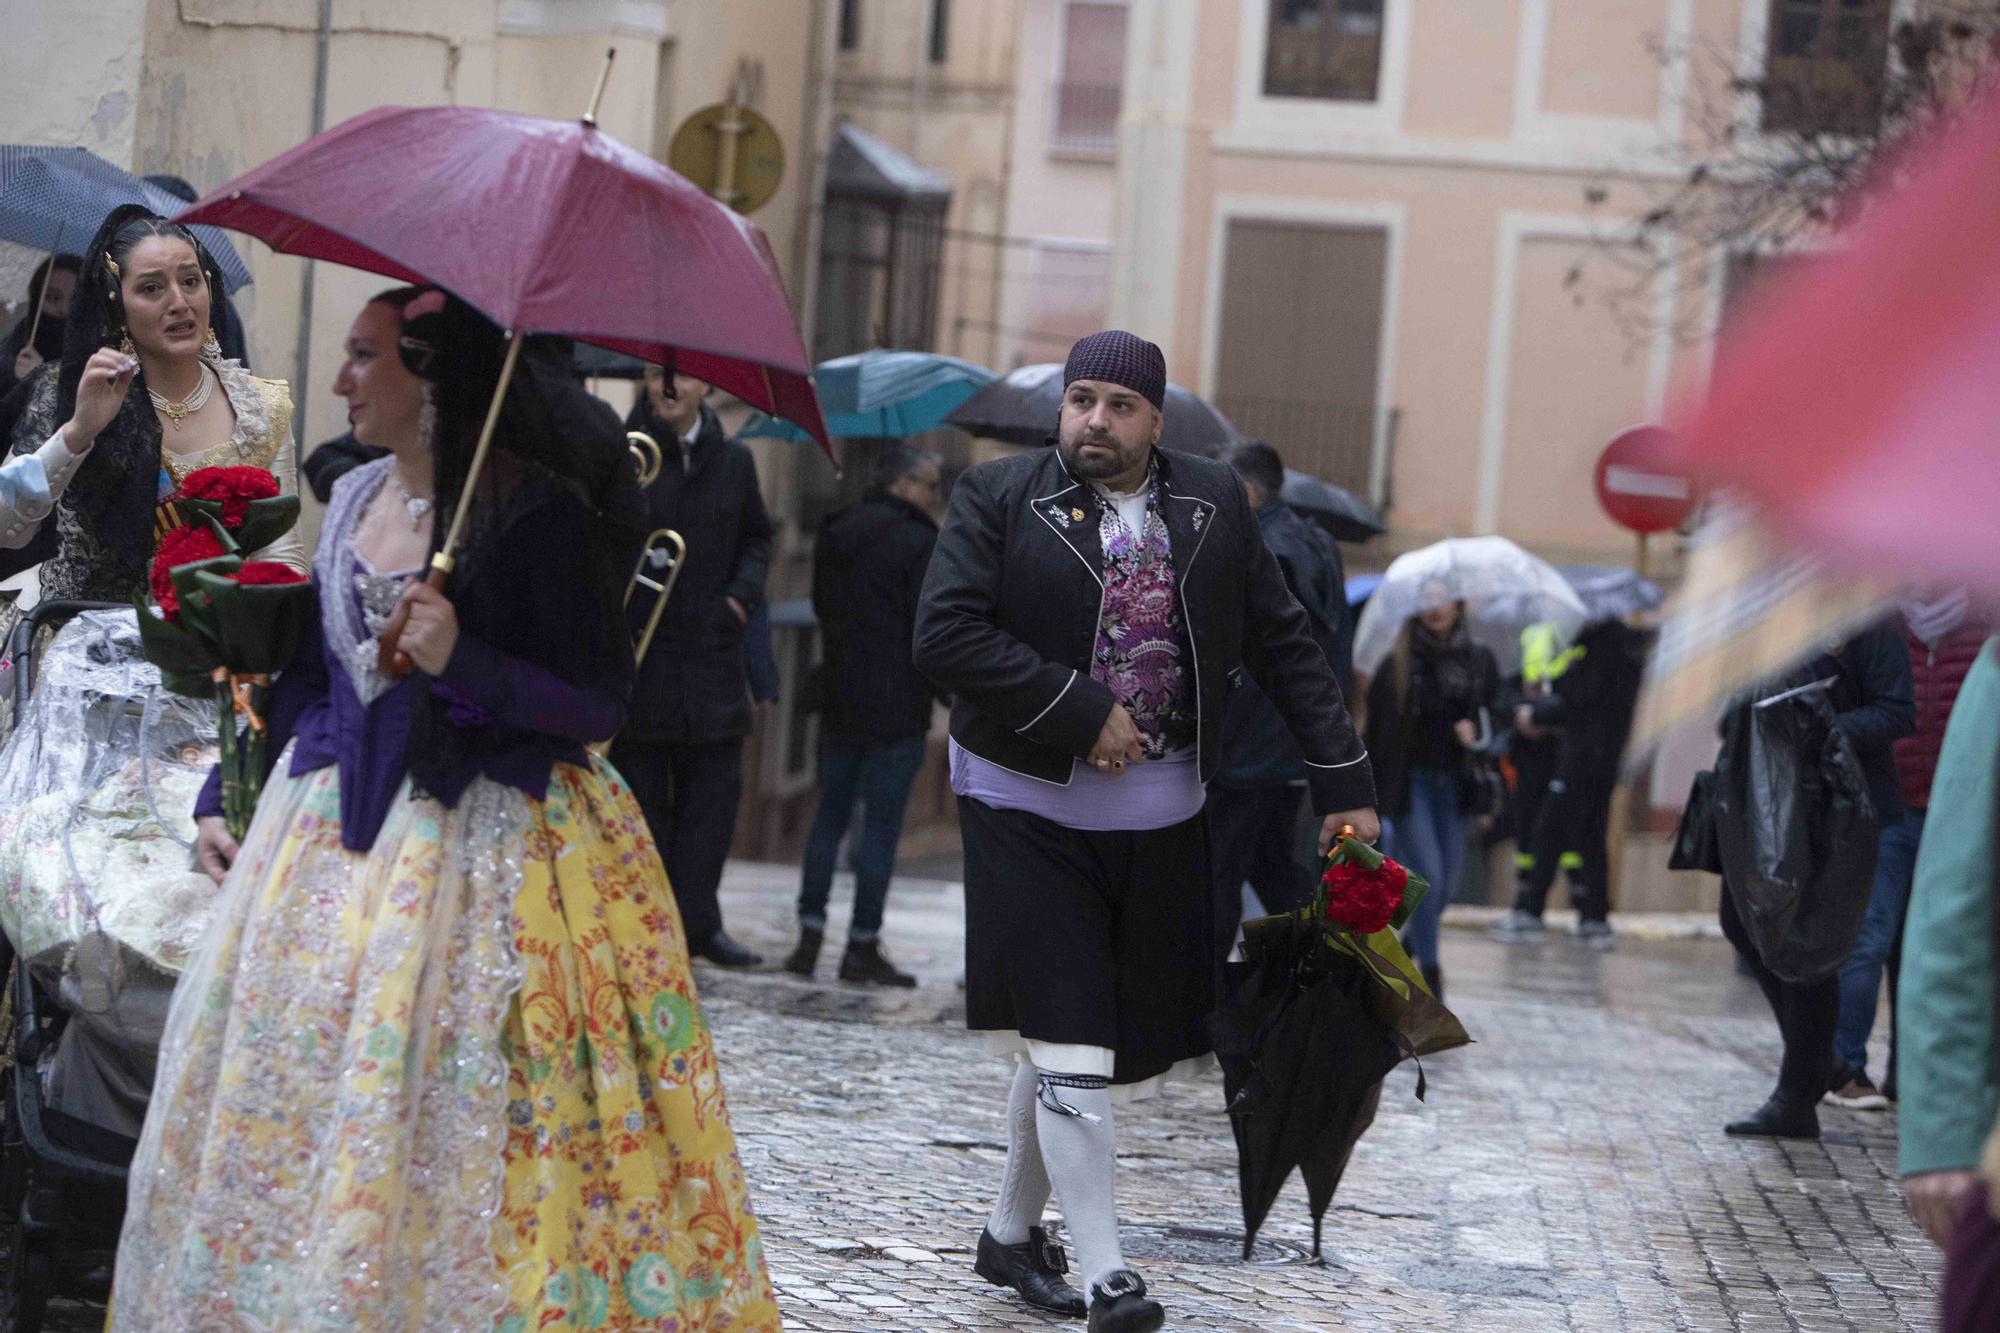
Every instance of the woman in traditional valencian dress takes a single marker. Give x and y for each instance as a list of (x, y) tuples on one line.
[(440, 1063), (108, 456)]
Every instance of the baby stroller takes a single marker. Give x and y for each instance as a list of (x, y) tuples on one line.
[(99, 906)]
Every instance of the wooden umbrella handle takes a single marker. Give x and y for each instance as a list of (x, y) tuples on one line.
[(391, 661)]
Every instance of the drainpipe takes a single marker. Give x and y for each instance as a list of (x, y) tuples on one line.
[(814, 135), (322, 46)]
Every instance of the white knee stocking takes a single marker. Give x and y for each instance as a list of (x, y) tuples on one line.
[(1079, 1148), (1024, 1189)]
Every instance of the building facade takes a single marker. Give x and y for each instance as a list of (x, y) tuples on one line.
[(206, 89), (1397, 239)]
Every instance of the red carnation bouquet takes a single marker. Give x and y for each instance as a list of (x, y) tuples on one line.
[(219, 626), (1363, 900), (1364, 892), (231, 491)]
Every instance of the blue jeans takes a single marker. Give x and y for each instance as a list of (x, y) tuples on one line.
[(1861, 974), (1430, 840), (879, 774)]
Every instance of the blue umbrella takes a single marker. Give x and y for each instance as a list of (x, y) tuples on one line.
[(883, 394), (54, 200)]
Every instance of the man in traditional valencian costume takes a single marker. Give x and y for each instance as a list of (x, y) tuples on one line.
[(1089, 607)]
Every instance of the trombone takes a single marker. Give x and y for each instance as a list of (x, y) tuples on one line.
[(646, 454), (666, 552)]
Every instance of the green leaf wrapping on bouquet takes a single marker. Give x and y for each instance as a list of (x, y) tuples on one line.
[(196, 615), (1353, 851), (176, 650), (188, 684), (264, 521), (258, 625), (1408, 1005)]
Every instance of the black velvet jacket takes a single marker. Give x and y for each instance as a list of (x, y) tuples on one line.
[(1011, 604)]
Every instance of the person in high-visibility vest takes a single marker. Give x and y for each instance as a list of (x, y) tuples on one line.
[(1532, 750), (1595, 685)]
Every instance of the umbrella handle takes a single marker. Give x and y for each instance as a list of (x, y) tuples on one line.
[(391, 661)]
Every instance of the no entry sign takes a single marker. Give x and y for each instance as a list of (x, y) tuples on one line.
[(1642, 480)]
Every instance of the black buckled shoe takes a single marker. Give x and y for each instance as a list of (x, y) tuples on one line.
[(1034, 1268), (1118, 1304)]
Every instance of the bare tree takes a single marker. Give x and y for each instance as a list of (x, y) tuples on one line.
[(1774, 159)]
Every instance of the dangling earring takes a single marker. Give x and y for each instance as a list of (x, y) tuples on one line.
[(210, 346), (427, 420), (125, 344)]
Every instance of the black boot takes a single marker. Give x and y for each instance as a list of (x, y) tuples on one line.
[(806, 957), (864, 962), (1034, 1268), (1118, 1304), (1777, 1119)]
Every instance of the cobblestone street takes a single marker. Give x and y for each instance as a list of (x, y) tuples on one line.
[(1568, 1172)]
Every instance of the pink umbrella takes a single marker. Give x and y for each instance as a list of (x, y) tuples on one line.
[(1858, 403), (545, 226)]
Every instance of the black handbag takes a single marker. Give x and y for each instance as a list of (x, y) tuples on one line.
[(1696, 846)]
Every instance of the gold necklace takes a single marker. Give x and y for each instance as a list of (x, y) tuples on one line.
[(178, 410)]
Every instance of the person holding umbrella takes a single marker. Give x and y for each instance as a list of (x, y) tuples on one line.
[(1089, 607), (440, 1062), (38, 335), (139, 317)]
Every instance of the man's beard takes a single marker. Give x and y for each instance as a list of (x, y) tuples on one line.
[(1094, 467)]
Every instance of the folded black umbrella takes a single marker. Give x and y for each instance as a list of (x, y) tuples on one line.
[(1340, 511), (1304, 1049)]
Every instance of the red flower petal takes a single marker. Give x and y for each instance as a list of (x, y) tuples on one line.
[(267, 573)]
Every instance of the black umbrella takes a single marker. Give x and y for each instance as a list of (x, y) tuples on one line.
[(1022, 407), (1305, 1039), (1340, 511)]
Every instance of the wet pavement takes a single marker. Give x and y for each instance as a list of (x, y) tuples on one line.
[(1567, 1172)]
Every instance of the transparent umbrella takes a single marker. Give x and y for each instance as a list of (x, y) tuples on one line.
[(1503, 587)]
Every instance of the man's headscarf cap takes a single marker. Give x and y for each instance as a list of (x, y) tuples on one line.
[(1114, 356)]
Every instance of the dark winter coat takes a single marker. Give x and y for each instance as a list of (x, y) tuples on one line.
[(691, 687), (1009, 621), (1450, 682), (868, 575), (1593, 700), (335, 459), (1257, 750), (1874, 703)]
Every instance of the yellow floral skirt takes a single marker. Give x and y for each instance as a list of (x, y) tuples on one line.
[(460, 1082)]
